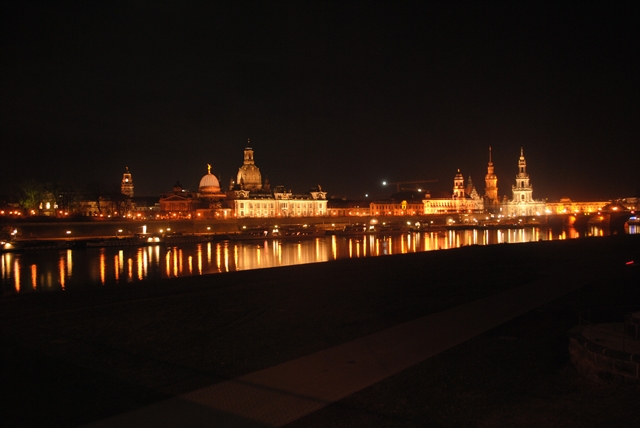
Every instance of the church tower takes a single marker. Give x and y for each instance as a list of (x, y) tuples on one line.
[(249, 177), (126, 187), (491, 182), (522, 191), (458, 186), (471, 189)]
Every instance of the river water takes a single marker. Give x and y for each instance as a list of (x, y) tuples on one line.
[(56, 270)]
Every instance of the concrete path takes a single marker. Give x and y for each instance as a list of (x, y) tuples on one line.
[(283, 393)]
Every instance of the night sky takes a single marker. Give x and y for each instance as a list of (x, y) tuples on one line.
[(341, 94)]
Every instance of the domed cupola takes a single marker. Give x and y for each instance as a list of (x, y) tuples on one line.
[(249, 177), (209, 184)]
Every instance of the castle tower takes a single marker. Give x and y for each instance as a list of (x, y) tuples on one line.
[(458, 186), (126, 187), (522, 191), (491, 182), (249, 176)]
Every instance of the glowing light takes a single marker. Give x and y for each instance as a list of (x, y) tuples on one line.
[(34, 276), (61, 271), (102, 267)]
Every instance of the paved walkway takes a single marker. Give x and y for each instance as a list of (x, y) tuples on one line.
[(283, 393)]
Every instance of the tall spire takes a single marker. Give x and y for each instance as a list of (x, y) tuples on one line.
[(491, 181), (522, 191)]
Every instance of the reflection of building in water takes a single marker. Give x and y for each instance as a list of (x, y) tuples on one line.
[(463, 199), (522, 202)]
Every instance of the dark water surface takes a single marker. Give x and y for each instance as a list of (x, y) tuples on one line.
[(95, 267)]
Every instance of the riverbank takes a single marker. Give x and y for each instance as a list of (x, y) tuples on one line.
[(87, 355), (82, 228)]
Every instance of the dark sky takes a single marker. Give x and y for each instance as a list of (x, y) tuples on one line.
[(342, 94)]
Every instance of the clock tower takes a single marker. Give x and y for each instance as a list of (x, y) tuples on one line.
[(126, 188)]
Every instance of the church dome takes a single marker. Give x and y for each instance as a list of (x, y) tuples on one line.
[(249, 177), (209, 183)]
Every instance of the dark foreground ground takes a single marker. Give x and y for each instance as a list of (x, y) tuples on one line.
[(73, 358)]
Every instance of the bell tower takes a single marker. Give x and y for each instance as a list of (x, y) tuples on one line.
[(491, 182), (458, 186), (126, 187), (522, 191)]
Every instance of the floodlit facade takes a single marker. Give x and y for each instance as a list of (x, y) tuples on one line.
[(463, 199), (344, 207), (279, 203), (406, 203), (249, 197), (180, 203), (126, 186), (522, 202)]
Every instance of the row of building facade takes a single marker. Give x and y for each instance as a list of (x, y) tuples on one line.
[(249, 196)]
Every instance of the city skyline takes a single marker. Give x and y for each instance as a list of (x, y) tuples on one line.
[(342, 95)]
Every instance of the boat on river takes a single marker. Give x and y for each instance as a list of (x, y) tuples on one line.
[(372, 229), (275, 232), (36, 245), (124, 241), (153, 239)]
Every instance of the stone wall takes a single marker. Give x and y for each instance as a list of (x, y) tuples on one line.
[(601, 363)]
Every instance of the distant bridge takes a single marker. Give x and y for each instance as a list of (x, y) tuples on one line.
[(613, 220)]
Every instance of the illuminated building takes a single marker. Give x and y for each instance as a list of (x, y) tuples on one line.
[(522, 202), (48, 205), (280, 203), (399, 204), (249, 177), (492, 200), (567, 206), (126, 187), (632, 203), (463, 199), (180, 203), (337, 207), (248, 197)]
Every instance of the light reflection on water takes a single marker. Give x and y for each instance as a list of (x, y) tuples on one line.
[(78, 268)]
